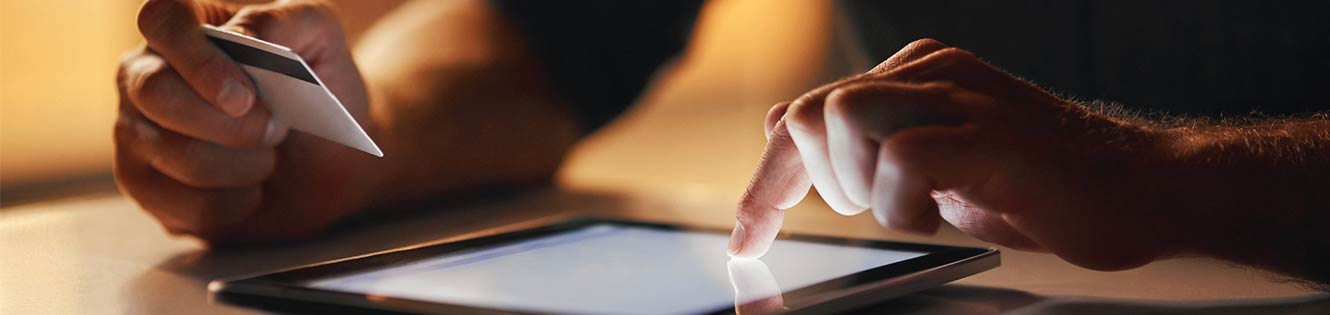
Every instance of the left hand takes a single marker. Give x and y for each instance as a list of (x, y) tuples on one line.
[(199, 154), (934, 133)]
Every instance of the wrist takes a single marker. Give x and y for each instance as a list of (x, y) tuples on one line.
[(1202, 220), (1238, 202), (1172, 190)]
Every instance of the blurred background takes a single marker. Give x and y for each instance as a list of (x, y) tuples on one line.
[(58, 101)]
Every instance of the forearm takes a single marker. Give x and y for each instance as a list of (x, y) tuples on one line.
[(459, 103), (1261, 194)]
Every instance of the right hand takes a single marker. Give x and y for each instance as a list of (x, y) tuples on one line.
[(934, 133), (197, 151)]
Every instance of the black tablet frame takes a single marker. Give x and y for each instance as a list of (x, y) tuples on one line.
[(285, 290)]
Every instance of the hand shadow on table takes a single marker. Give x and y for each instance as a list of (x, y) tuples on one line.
[(756, 292)]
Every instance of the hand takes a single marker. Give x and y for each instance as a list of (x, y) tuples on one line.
[(934, 134), (196, 150)]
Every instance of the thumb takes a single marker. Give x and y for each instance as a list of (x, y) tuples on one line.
[(171, 29)]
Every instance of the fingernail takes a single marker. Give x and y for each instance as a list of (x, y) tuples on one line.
[(275, 132), (234, 99), (736, 239)]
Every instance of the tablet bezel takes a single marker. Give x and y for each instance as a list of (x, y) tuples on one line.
[(287, 290)]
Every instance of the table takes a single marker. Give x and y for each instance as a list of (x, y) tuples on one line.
[(100, 254)]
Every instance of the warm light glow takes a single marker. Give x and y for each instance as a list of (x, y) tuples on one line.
[(58, 102), (746, 55)]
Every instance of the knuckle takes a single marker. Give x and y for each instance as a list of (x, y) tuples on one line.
[(155, 16), (775, 113), (150, 78), (756, 210), (291, 14), (127, 60), (803, 112), (749, 203), (956, 55), (848, 101), (925, 44), (123, 132), (150, 15)]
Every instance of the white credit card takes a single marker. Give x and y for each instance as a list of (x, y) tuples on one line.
[(291, 90)]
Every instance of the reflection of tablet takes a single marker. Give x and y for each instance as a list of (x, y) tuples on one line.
[(599, 266)]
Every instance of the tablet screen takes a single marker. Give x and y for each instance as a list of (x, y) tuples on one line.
[(606, 269)]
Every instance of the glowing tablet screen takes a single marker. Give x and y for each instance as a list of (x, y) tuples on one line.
[(605, 269)]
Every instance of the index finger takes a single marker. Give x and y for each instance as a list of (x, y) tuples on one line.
[(779, 183), (780, 180), (172, 29)]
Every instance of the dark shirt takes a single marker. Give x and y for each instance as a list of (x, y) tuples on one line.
[(600, 54), (1194, 58)]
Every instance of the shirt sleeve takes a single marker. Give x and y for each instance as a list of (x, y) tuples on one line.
[(600, 54)]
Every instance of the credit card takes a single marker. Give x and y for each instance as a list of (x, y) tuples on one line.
[(291, 90)]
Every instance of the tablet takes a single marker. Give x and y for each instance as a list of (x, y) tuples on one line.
[(607, 266)]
